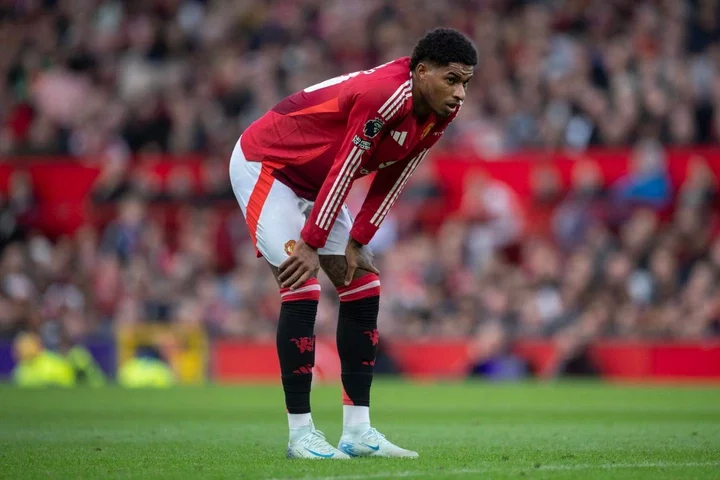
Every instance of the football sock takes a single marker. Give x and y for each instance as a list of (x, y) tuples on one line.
[(355, 415), (296, 347), (299, 420), (357, 339)]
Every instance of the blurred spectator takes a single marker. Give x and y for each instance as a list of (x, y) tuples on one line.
[(700, 188), (546, 194), (9, 229), (494, 216), (583, 206), (648, 182), (37, 367), (123, 236), (18, 208), (146, 370)]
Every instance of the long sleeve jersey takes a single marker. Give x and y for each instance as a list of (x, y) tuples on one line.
[(320, 140)]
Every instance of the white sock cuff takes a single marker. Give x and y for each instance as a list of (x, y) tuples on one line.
[(355, 415), (299, 420)]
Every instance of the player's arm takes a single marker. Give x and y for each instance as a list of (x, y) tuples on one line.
[(384, 191), (370, 113), (368, 118), (387, 186)]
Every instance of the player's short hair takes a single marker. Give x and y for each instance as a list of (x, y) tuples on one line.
[(443, 46)]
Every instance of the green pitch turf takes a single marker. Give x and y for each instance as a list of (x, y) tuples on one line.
[(474, 430)]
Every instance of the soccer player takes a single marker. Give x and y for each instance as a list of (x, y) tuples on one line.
[(291, 172)]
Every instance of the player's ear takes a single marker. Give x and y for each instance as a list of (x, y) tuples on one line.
[(421, 72)]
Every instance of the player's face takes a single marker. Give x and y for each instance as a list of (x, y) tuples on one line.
[(444, 87)]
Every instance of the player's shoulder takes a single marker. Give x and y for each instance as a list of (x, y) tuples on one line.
[(385, 89), (381, 82)]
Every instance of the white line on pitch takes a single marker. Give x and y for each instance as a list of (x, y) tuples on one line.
[(465, 471)]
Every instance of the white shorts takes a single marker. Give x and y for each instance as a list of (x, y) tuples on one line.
[(275, 214)]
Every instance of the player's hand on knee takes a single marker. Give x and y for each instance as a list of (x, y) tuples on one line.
[(302, 265), (358, 256)]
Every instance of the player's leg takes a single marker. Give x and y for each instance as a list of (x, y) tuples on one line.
[(275, 221), (357, 340), (356, 337)]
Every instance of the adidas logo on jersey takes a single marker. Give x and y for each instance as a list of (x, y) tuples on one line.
[(399, 137)]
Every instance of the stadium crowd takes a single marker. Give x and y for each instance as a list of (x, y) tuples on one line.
[(113, 82), (106, 77), (632, 259)]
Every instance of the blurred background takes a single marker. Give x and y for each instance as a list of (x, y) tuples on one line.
[(567, 223)]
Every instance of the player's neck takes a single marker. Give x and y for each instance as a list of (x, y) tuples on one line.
[(421, 109)]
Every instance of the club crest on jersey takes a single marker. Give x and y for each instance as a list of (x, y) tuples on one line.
[(427, 130), (360, 143), (372, 127), (290, 247)]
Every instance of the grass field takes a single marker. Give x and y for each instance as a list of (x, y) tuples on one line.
[(473, 430)]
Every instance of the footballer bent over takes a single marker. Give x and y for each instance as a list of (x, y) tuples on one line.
[(291, 172)]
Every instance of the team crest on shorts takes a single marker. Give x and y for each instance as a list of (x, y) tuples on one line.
[(427, 130), (290, 247), (372, 127)]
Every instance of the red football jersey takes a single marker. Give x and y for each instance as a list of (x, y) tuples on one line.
[(318, 141)]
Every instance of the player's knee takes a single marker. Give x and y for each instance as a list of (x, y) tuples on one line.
[(310, 290), (363, 287)]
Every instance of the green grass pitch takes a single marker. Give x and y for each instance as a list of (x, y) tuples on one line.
[(462, 430)]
